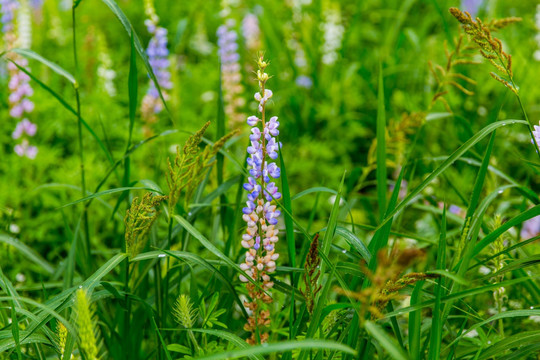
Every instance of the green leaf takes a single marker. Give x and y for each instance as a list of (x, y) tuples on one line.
[(332, 224), (354, 242), (517, 340), (106, 192), (415, 323), (230, 337), (132, 88), (387, 343), (179, 349), (503, 315), (382, 186), (287, 203), (28, 252), (317, 189), (113, 6), (54, 67), (282, 346), (435, 338), (446, 164)]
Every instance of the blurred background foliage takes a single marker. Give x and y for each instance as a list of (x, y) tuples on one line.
[(326, 129)]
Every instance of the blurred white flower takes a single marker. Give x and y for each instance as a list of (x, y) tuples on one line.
[(14, 228), (471, 334), (333, 31)]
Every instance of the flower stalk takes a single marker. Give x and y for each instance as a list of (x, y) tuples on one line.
[(260, 214)]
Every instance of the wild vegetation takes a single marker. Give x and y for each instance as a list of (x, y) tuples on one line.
[(308, 179)]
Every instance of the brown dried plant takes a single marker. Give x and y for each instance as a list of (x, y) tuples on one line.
[(448, 75), (489, 46), (312, 274), (387, 280)]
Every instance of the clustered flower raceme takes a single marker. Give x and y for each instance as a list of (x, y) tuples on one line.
[(260, 214), (537, 36), (20, 90), (8, 8), (158, 57), (294, 43), (230, 71), (105, 71), (333, 36), (251, 31)]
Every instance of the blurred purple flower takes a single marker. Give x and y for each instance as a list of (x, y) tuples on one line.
[(304, 81), (531, 228), (251, 31), (24, 126), (472, 6), (230, 71), (158, 57), (8, 8), (25, 149)]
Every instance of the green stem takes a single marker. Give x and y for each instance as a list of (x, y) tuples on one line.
[(80, 137), (127, 317)]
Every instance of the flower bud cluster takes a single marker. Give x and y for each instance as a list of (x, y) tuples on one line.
[(260, 214), (231, 79), (19, 101), (158, 57)]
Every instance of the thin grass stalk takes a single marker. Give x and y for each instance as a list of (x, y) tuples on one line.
[(80, 137)]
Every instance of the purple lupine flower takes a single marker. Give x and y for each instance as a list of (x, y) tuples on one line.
[(304, 81), (36, 4), (25, 149), (251, 31), (158, 57), (8, 8), (536, 134), (24, 126), (531, 228), (260, 214), (472, 6), (230, 71), (19, 101)]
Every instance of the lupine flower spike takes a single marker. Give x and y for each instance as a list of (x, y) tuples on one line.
[(20, 104), (231, 79), (158, 56), (260, 214)]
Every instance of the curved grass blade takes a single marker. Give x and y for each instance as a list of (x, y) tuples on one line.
[(391, 347), (113, 6), (32, 339), (355, 242), (106, 192), (317, 189), (381, 148), (526, 215), (186, 256), (232, 338), (280, 347), (28, 252), (503, 315), (332, 224), (517, 340), (54, 67), (449, 161)]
